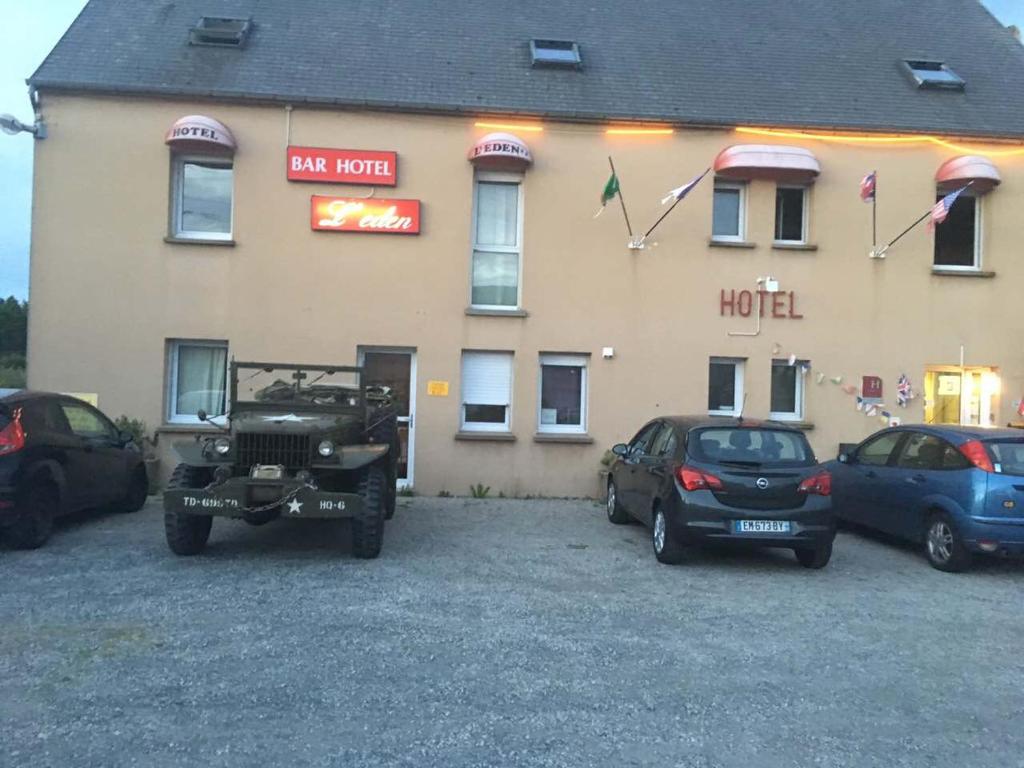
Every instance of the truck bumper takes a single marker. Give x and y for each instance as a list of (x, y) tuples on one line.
[(235, 497)]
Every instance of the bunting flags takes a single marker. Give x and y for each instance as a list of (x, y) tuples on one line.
[(867, 187)]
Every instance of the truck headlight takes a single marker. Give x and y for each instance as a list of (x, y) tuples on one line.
[(222, 445), (325, 449)]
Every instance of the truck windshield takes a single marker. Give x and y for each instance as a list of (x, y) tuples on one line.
[(282, 385), (751, 446)]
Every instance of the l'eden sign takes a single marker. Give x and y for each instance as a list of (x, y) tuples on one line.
[(343, 166), (347, 214)]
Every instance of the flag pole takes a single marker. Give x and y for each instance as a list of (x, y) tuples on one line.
[(666, 213), (880, 253), (874, 213), (622, 200)]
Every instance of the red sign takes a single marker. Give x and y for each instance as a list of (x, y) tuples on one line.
[(347, 214), (780, 304), (871, 387), (342, 166)]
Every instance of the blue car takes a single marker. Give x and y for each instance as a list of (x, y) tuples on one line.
[(955, 490)]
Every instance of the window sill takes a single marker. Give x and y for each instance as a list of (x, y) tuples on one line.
[(731, 243), (794, 247), (939, 272), (580, 438), (197, 241), (485, 437), (475, 312)]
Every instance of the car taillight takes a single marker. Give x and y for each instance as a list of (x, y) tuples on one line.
[(820, 484), (977, 454), (12, 437), (694, 480)]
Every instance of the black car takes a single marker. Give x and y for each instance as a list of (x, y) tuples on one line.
[(695, 479), (60, 455)]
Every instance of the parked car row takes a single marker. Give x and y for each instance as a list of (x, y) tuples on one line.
[(699, 480)]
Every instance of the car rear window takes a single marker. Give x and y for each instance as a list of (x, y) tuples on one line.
[(1007, 456), (751, 446)]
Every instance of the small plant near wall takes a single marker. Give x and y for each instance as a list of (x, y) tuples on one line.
[(444, 494), (147, 445), (607, 459), (407, 491), (479, 491)]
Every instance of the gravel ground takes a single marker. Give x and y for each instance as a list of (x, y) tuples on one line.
[(498, 633)]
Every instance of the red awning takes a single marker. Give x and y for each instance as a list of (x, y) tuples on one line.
[(500, 151), (198, 133), (767, 161), (960, 170)]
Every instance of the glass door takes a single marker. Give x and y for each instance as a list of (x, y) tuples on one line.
[(967, 396), (396, 368)]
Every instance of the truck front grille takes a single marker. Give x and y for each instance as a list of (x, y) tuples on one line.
[(292, 451)]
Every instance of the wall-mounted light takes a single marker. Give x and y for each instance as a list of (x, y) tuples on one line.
[(12, 126), (870, 138), (639, 131), (524, 127)]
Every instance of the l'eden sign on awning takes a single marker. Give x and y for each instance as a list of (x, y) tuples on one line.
[(343, 166), (373, 215)]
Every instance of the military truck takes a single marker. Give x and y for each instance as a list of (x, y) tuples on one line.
[(300, 442)]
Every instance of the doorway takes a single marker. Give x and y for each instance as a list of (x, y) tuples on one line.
[(955, 395), (395, 367)]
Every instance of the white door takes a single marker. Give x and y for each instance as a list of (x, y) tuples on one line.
[(395, 367)]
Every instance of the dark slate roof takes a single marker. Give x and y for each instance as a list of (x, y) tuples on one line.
[(809, 63)]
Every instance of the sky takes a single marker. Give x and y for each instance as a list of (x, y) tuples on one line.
[(28, 31)]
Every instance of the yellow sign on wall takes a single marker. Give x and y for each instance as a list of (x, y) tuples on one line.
[(437, 388)]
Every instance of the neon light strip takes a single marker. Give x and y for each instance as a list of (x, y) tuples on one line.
[(639, 131), (873, 139), (511, 127)]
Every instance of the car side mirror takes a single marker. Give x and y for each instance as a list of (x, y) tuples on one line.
[(202, 415), (620, 449), (844, 458)]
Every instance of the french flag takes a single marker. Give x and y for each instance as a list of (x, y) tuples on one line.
[(867, 187)]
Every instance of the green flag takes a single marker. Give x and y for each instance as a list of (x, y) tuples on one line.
[(611, 189)]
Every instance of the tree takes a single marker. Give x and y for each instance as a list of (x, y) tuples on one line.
[(13, 326)]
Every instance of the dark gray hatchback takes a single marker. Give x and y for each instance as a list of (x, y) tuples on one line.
[(695, 479)]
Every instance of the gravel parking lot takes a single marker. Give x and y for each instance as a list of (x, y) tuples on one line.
[(494, 633)]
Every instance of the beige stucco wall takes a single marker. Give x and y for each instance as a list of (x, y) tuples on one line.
[(107, 291)]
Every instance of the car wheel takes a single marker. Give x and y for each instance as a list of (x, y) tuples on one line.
[(616, 513), (943, 545), (666, 548), (138, 490), (39, 507), (814, 557), (186, 534), (368, 528)]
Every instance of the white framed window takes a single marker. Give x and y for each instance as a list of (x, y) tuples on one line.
[(787, 395), (562, 394), (725, 386), (202, 197), (958, 238), (791, 214), (486, 391), (497, 240), (196, 379), (729, 212)]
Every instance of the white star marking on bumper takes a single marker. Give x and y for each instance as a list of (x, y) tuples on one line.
[(294, 507)]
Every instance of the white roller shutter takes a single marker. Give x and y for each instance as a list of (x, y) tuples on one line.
[(487, 378)]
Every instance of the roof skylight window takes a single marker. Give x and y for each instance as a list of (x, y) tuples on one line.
[(555, 53), (934, 74), (220, 31)]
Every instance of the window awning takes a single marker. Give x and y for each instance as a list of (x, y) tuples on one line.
[(767, 161), (974, 168), (500, 151), (199, 133)]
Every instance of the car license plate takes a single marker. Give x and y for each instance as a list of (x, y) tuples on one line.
[(761, 526), (266, 472)]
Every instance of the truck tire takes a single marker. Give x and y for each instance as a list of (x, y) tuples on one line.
[(186, 534), (385, 430), (368, 528), (39, 505)]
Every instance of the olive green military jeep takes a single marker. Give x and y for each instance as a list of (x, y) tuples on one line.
[(301, 442)]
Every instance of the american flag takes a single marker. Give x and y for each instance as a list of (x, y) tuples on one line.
[(867, 187), (903, 391), (941, 209)]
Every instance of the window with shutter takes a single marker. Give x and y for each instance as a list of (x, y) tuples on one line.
[(486, 391)]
